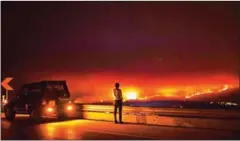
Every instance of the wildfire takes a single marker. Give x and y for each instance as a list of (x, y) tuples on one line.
[(195, 94), (131, 96), (225, 87), (166, 93), (131, 93)]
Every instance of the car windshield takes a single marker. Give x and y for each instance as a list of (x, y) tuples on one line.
[(59, 89)]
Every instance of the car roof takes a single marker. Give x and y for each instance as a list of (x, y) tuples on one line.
[(45, 82)]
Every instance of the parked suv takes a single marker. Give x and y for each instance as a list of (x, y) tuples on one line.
[(41, 99)]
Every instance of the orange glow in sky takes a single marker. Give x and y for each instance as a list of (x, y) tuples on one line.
[(99, 86)]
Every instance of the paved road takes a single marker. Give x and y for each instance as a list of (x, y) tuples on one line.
[(23, 128)]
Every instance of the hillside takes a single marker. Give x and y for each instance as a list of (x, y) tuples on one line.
[(231, 95)]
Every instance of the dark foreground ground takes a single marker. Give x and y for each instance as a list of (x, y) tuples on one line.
[(23, 128)]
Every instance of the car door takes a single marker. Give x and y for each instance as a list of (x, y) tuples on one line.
[(20, 105)]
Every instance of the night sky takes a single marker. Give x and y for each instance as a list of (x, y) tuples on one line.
[(140, 44)]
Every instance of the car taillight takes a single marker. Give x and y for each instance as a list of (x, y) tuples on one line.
[(49, 109), (69, 107)]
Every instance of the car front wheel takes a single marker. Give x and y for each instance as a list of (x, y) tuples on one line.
[(9, 113)]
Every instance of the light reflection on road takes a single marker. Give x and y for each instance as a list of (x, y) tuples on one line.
[(66, 130), (23, 128), (50, 131)]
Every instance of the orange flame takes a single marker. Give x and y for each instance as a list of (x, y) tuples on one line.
[(225, 87)]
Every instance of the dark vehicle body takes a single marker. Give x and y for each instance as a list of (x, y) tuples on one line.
[(39, 99)]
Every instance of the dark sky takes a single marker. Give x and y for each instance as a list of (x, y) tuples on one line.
[(129, 38)]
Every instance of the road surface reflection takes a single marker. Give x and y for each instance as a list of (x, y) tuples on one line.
[(62, 129), (22, 128)]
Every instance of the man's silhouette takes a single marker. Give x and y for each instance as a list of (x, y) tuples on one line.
[(117, 95)]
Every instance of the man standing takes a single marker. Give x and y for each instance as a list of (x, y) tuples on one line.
[(117, 95)]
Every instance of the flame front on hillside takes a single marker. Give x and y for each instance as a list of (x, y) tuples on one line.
[(225, 87)]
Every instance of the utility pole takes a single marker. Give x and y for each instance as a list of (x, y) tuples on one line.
[(6, 95)]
